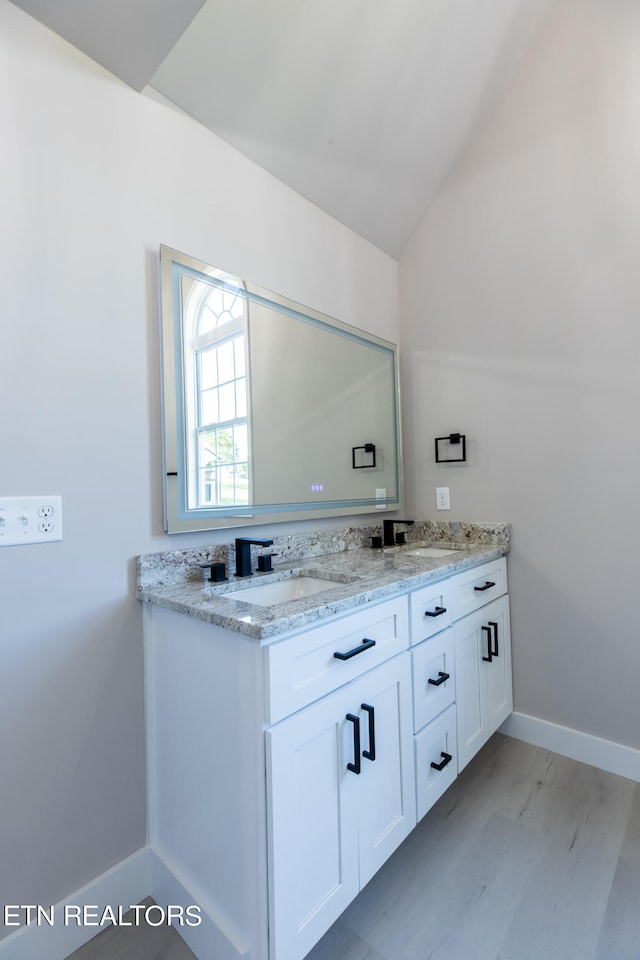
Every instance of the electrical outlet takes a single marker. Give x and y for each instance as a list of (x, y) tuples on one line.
[(442, 498), (30, 520), (381, 494)]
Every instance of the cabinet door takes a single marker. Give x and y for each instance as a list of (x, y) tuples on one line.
[(483, 676), (386, 786), (313, 826), (471, 695), (330, 827), (499, 679)]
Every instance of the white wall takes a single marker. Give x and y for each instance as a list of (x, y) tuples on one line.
[(93, 177), (520, 308)]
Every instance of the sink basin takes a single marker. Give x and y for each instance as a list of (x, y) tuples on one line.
[(430, 552), (281, 591)]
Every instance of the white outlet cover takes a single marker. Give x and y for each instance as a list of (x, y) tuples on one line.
[(30, 520), (442, 498)]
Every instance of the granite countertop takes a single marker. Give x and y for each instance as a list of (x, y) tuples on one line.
[(358, 576)]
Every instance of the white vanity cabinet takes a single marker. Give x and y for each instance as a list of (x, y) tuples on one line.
[(283, 772), (482, 642)]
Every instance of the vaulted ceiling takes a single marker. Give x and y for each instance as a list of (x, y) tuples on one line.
[(362, 106)]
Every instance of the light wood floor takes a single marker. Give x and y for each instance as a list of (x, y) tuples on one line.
[(528, 856), (135, 943)]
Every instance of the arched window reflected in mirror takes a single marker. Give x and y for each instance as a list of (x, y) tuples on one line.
[(216, 397)]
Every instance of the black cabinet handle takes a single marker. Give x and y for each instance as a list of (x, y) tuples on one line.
[(370, 754), (487, 586), (487, 630), (441, 678), (355, 766), (365, 645), (494, 625), (435, 613), (447, 759)]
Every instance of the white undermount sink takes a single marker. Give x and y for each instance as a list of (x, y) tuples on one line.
[(281, 591), (431, 552)]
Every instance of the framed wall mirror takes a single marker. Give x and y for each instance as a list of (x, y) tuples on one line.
[(272, 411)]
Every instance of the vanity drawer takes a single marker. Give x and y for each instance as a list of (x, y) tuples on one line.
[(435, 744), (430, 610), (433, 678), (473, 588), (303, 668)]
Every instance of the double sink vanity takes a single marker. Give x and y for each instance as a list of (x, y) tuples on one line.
[(300, 722)]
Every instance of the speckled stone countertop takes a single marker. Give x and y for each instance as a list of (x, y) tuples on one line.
[(357, 573)]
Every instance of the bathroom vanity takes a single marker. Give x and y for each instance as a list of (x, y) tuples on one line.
[(293, 746)]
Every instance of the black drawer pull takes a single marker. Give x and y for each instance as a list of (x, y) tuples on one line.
[(447, 759), (487, 586), (441, 678), (370, 754), (435, 613), (365, 645), (355, 766), (494, 625), (487, 630)]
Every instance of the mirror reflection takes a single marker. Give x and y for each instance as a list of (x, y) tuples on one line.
[(272, 411)]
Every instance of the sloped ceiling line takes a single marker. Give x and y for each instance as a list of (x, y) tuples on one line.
[(360, 106)]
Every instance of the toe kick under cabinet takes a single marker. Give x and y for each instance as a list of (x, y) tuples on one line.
[(283, 773)]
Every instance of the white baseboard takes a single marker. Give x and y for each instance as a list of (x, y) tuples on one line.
[(213, 937), (144, 874), (610, 756), (127, 883)]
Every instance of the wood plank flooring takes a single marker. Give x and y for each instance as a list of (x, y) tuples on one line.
[(528, 856), (142, 942)]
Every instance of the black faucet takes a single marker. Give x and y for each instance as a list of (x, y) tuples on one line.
[(388, 537), (243, 555)]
